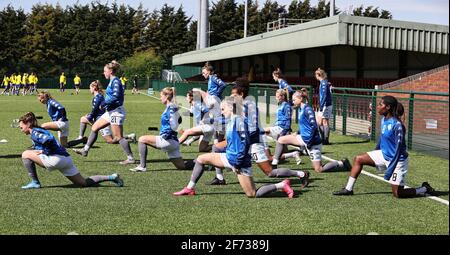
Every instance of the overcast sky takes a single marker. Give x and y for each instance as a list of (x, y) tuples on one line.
[(425, 11)]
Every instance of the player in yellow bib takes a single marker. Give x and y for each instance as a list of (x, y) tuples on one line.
[(77, 83), (62, 82)]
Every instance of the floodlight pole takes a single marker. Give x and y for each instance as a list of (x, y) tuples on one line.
[(331, 8), (245, 19)]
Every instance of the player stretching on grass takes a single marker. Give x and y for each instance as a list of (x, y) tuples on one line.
[(236, 156), (57, 113), (167, 140), (114, 115), (390, 154), (307, 136), (49, 154), (258, 143), (98, 103)]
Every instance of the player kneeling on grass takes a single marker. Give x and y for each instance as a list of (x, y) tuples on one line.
[(57, 113), (258, 143), (167, 140), (390, 154), (98, 109), (237, 156), (51, 155), (307, 136)]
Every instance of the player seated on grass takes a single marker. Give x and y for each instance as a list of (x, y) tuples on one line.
[(203, 123), (167, 140), (258, 144), (57, 113), (390, 154), (49, 154), (114, 115), (236, 156), (308, 137), (97, 111)]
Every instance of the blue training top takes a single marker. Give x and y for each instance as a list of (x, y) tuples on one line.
[(56, 111), (45, 141), (284, 117), (324, 94), (282, 84), (169, 122), (238, 143), (392, 143), (215, 86), (307, 126), (114, 94), (98, 108)]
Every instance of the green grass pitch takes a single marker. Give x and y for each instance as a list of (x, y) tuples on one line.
[(145, 205)]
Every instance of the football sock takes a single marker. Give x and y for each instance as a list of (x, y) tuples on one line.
[(143, 154), (289, 154), (91, 140), (350, 183), (82, 128), (277, 154), (126, 148), (284, 172), (197, 172), (31, 168), (421, 191), (266, 189)]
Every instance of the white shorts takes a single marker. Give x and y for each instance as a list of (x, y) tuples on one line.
[(327, 112), (63, 127), (399, 174), (315, 152), (275, 132), (116, 116), (247, 171), (172, 147), (57, 162), (213, 102), (258, 153), (208, 132), (106, 131)]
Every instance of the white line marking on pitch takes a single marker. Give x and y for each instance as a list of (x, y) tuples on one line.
[(382, 179)]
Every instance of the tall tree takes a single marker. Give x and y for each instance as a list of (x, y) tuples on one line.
[(269, 12), (12, 45), (223, 20)]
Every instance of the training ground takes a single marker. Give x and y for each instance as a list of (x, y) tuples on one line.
[(145, 204)]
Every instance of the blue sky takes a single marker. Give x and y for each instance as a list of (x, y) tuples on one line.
[(429, 11)]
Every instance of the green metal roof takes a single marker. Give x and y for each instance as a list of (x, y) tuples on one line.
[(336, 30)]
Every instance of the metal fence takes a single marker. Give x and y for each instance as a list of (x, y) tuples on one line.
[(354, 112)]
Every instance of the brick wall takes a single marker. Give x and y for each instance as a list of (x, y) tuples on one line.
[(435, 80)]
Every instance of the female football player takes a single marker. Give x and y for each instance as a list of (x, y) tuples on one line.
[(57, 113)]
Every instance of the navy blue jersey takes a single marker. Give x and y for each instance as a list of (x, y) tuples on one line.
[(282, 84), (324, 94), (98, 108), (215, 86), (45, 141), (251, 113), (284, 116), (392, 143), (238, 143), (114, 94), (55, 110), (169, 122), (308, 129)]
